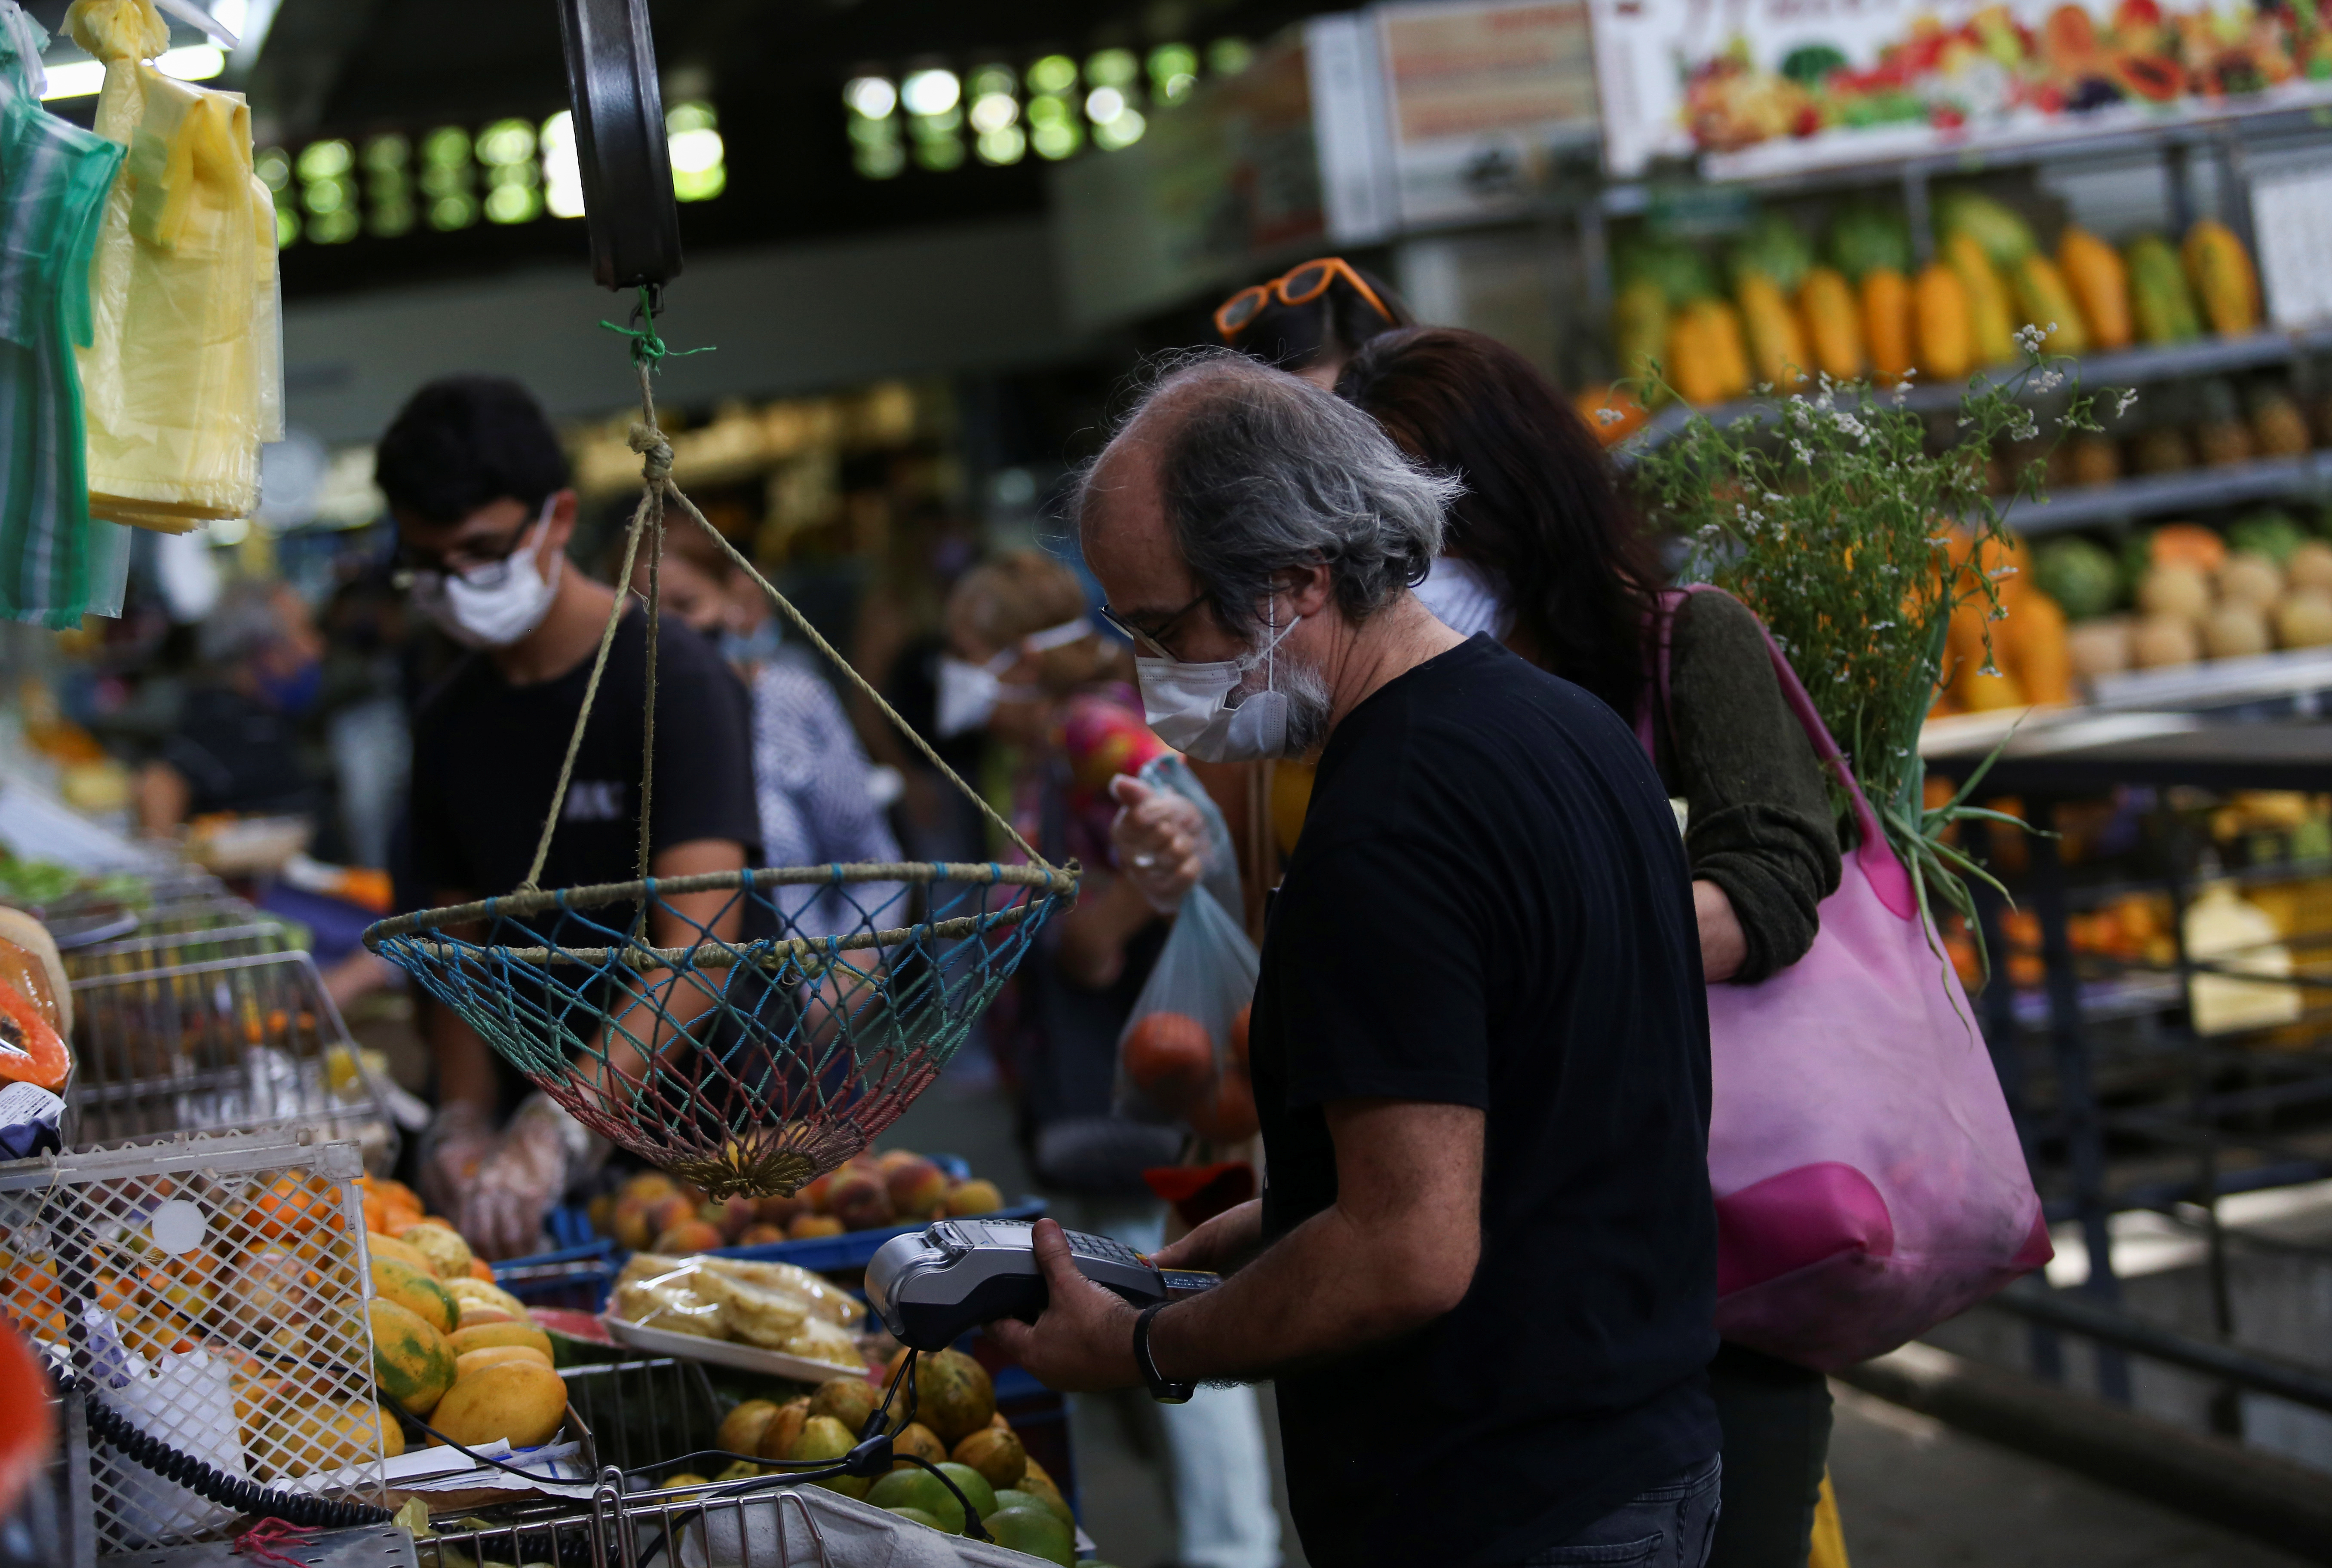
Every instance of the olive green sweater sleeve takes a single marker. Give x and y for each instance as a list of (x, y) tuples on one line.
[(1760, 824)]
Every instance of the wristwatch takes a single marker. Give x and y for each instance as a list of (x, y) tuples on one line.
[(1163, 1392)]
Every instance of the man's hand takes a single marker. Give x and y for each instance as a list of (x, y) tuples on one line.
[(1221, 1244), (1161, 841), (1083, 1342)]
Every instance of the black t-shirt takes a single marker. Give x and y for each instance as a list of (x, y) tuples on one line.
[(486, 756), (1489, 907)]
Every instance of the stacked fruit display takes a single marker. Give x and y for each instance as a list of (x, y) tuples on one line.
[(1175, 1060), (956, 1427), (1861, 308), (2029, 658), (2183, 592), (654, 1212), (449, 1346)]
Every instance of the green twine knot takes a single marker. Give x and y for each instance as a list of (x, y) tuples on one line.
[(647, 346)]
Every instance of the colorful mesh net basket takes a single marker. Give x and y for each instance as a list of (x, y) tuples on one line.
[(747, 1031)]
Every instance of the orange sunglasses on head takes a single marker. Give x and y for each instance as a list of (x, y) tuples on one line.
[(1299, 287)]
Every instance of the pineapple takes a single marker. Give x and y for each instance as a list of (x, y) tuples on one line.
[(2278, 429)]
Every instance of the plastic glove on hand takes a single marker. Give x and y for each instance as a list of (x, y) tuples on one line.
[(500, 1212), (1160, 841), (456, 1146)]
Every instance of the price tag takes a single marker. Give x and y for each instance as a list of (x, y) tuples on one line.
[(2291, 216)]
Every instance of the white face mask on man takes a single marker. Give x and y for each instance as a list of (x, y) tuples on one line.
[(968, 693), (1200, 711), (504, 608)]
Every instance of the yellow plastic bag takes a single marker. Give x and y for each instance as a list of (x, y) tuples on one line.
[(183, 378), (1829, 1539)]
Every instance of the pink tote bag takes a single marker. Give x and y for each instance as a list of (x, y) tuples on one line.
[(1870, 1182)]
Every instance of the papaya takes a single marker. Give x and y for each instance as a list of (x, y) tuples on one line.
[(1887, 322), (409, 1358), (1998, 230), (471, 1362), (1833, 326), (518, 1400), (1991, 338), (2158, 295), (1940, 304), (1777, 349), (485, 1335), (448, 1254), (1640, 325), (2044, 663), (2044, 300), (2093, 270), (1689, 362), (31, 1050), (2153, 77), (2221, 271), (1732, 345), (415, 1292)]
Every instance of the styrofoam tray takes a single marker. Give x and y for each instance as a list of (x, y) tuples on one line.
[(727, 1353)]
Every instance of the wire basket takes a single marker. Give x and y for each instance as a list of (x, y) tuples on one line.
[(210, 1291), (213, 1030), (747, 1064), (747, 1031)]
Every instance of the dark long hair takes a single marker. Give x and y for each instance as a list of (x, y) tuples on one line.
[(1542, 512), (1294, 337)]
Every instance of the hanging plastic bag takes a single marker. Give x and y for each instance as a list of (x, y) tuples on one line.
[(1182, 1054), (173, 377)]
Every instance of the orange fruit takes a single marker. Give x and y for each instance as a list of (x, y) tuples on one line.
[(1170, 1057)]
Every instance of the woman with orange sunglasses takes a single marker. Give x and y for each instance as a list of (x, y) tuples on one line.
[(1312, 318)]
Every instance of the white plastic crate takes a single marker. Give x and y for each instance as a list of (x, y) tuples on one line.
[(212, 1291)]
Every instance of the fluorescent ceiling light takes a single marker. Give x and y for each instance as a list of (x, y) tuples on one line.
[(193, 62), (74, 79)]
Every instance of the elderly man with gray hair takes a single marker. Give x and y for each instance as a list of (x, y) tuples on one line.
[(1483, 1268)]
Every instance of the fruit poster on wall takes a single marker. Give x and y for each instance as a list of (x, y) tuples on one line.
[(1769, 86)]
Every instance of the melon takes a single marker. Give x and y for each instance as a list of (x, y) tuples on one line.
[(2172, 590), (2163, 641), (2250, 578), (2235, 631)]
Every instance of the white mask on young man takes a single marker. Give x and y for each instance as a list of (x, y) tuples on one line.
[(968, 693), (501, 615), (1465, 598), (1199, 710)]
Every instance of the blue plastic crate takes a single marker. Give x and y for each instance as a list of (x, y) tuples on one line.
[(578, 1278)]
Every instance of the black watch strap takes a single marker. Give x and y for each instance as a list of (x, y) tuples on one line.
[(1163, 1392)]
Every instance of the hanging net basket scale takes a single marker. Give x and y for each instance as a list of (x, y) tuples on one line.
[(747, 1063)]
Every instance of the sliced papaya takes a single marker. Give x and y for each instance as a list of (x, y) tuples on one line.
[(31, 1051), (2155, 77)]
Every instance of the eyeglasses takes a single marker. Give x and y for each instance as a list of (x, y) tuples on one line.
[(1156, 640), (1299, 287), (480, 563)]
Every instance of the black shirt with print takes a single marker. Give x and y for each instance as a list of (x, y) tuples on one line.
[(486, 756)]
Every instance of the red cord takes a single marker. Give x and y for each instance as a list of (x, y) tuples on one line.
[(259, 1542)]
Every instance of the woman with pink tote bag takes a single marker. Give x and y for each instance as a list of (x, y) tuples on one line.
[(1867, 1178)]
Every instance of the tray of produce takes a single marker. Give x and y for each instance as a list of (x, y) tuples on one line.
[(760, 1317), (834, 1223)]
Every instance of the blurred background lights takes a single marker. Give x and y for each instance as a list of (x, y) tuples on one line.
[(562, 175), (929, 92), (994, 111), (699, 166), (1173, 72), (871, 96), (1054, 73), (1103, 104)]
